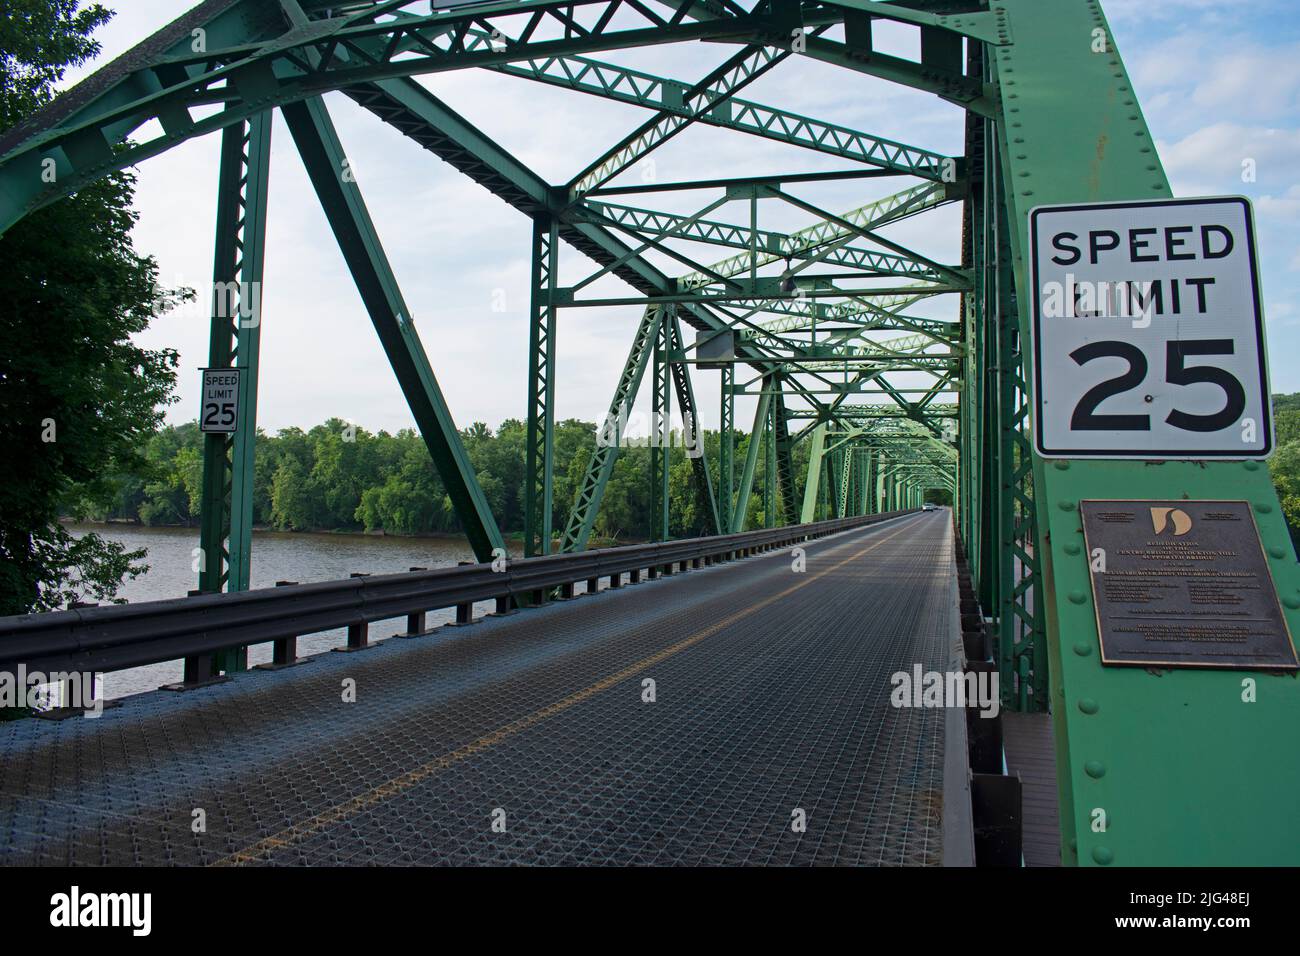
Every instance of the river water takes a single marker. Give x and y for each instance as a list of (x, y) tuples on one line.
[(277, 556)]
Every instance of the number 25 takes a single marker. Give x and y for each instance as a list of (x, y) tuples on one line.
[(1085, 417)]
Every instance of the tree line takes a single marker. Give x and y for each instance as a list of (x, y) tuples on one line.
[(341, 477)]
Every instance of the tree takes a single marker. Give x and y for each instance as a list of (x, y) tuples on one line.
[(78, 400)]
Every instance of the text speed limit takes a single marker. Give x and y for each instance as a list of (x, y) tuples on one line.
[(1148, 334)]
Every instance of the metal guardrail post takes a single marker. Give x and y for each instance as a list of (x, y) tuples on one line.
[(358, 631), (465, 609), (284, 652), (415, 621)]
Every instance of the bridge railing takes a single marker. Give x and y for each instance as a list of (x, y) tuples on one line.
[(119, 636)]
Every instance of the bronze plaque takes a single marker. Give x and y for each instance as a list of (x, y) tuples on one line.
[(1185, 584)]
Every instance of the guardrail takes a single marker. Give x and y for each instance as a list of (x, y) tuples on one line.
[(117, 636)]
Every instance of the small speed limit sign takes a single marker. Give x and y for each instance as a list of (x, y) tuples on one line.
[(1148, 338), (220, 410)]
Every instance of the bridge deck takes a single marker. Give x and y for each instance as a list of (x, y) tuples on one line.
[(772, 696)]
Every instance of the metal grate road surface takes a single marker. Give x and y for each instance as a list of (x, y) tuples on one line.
[(527, 739)]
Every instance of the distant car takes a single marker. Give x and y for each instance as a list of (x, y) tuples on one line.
[(929, 507)]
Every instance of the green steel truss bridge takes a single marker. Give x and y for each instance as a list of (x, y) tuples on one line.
[(827, 327)]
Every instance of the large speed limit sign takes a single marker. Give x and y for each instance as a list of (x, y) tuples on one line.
[(1148, 338)]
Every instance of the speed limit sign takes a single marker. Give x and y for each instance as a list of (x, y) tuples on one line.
[(1148, 338), (220, 408)]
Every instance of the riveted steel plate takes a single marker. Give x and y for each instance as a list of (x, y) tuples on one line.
[(1184, 584)]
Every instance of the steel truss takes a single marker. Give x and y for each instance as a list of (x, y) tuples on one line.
[(861, 406)]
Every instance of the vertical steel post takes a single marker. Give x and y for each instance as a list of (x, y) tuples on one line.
[(769, 458), (540, 464), (226, 520), (727, 447), (738, 516), (660, 431)]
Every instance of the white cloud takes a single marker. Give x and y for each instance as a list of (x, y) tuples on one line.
[(1215, 158), (452, 243)]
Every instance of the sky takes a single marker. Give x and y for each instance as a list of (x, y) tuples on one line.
[(1218, 82)]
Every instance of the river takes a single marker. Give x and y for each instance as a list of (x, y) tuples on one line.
[(277, 556)]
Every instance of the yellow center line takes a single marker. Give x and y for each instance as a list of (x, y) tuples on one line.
[(404, 782)]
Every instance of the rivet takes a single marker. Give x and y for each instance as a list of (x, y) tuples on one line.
[(1072, 548), (1263, 507), (1095, 769), (1083, 650), (1088, 705), (1066, 505), (1061, 464), (1078, 597), (1250, 465), (1102, 855), (1292, 602), (1277, 552)]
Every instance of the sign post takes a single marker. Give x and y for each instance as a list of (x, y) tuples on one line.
[(1148, 337)]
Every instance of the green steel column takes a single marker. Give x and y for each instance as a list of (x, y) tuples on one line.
[(770, 505), (583, 516), (751, 459), (708, 521), (1185, 765), (784, 456), (727, 447), (812, 482), (327, 167), (225, 531), (660, 434), (864, 473), (834, 468), (846, 479), (540, 465), (869, 504)]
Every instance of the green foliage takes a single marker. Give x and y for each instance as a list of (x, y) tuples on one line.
[(1285, 463), (80, 400), (339, 477), (38, 40)]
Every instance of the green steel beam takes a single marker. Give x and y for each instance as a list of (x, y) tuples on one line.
[(587, 504), (741, 510), (226, 513), (252, 61), (671, 98), (1131, 742), (727, 447), (711, 94), (805, 242), (539, 467), (812, 482), (783, 448), (323, 156), (658, 225), (709, 521), (660, 431)]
